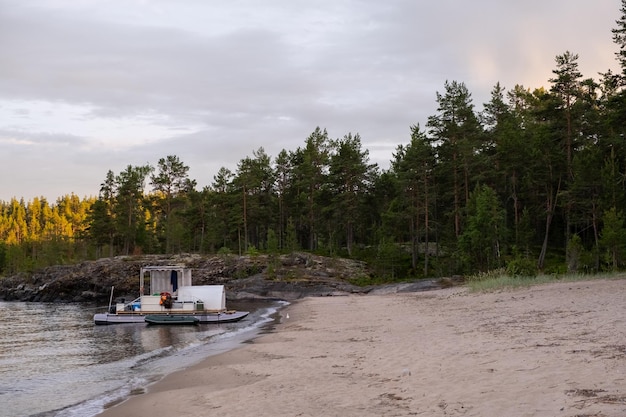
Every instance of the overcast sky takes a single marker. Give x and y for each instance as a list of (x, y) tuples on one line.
[(88, 86)]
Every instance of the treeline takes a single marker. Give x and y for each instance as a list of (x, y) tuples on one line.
[(536, 181), (40, 233)]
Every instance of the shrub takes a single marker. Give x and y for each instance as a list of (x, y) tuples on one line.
[(224, 251), (521, 267)]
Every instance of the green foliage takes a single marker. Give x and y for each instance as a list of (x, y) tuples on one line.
[(389, 262), (540, 170), (574, 253), (485, 233), (521, 267), (170, 184), (366, 280), (272, 242), (3, 257), (349, 179), (613, 238), (252, 251), (273, 263), (249, 271), (291, 240), (224, 251)]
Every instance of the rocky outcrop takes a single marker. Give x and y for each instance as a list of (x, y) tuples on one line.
[(285, 277)]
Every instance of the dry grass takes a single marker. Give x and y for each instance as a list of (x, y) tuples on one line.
[(497, 280)]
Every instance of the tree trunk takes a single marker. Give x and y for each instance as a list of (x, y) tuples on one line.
[(550, 207)]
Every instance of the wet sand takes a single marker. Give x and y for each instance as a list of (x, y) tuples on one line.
[(551, 350)]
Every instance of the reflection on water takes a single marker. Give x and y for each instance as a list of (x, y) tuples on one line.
[(55, 353)]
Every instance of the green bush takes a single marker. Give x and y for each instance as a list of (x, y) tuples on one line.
[(253, 251), (224, 251), (521, 267)]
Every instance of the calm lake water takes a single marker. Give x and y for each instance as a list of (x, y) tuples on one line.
[(55, 362)]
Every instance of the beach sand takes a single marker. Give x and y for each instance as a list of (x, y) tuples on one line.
[(550, 350)]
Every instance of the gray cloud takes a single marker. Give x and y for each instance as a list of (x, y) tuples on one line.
[(96, 85)]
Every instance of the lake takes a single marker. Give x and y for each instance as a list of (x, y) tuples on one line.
[(55, 362)]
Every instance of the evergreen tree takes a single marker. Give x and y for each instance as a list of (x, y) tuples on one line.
[(310, 167), (619, 38), (254, 179), (102, 220), (484, 237), (129, 210), (413, 166), (613, 238), (350, 178), (457, 133), (171, 182), (223, 209), (282, 175), (547, 165), (566, 89)]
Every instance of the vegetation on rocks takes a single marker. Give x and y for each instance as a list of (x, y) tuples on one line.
[(293, 276)]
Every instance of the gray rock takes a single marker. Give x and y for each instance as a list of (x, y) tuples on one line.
[(286, 277)]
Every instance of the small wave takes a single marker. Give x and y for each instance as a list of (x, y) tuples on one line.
[(139, 360), (152, 366), (95, 406)]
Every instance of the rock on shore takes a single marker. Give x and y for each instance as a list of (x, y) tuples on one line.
[(285, 277)]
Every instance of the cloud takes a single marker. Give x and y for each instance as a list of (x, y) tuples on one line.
[(87, 86)]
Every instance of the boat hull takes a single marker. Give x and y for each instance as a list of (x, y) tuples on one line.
[(174, 319), (114, 318)]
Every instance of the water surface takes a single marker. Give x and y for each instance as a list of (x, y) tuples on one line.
[(55, 362)]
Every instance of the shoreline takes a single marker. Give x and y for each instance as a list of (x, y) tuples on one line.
[(554, 349)]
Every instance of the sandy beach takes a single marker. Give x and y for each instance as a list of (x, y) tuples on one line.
[(550, 350)]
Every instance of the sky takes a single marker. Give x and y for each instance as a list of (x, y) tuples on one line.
[(88, 86)]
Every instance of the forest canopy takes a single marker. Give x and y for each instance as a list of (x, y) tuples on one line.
[(535, 181)]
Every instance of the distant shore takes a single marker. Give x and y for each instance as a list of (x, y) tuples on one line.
[(550, 350)]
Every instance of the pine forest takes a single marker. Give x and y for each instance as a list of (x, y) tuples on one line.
[(534, 182)]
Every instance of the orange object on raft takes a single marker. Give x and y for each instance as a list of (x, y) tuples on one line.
[(166, 300)]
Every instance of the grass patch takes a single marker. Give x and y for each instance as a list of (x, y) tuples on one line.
[(498, 280)]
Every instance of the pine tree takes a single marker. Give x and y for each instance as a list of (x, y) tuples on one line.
[(613, 238), (350, 178), (456, 132), (170, 182)]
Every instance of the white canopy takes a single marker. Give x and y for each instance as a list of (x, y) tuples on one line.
[(213, 296), (176, 280), (165, 279)]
